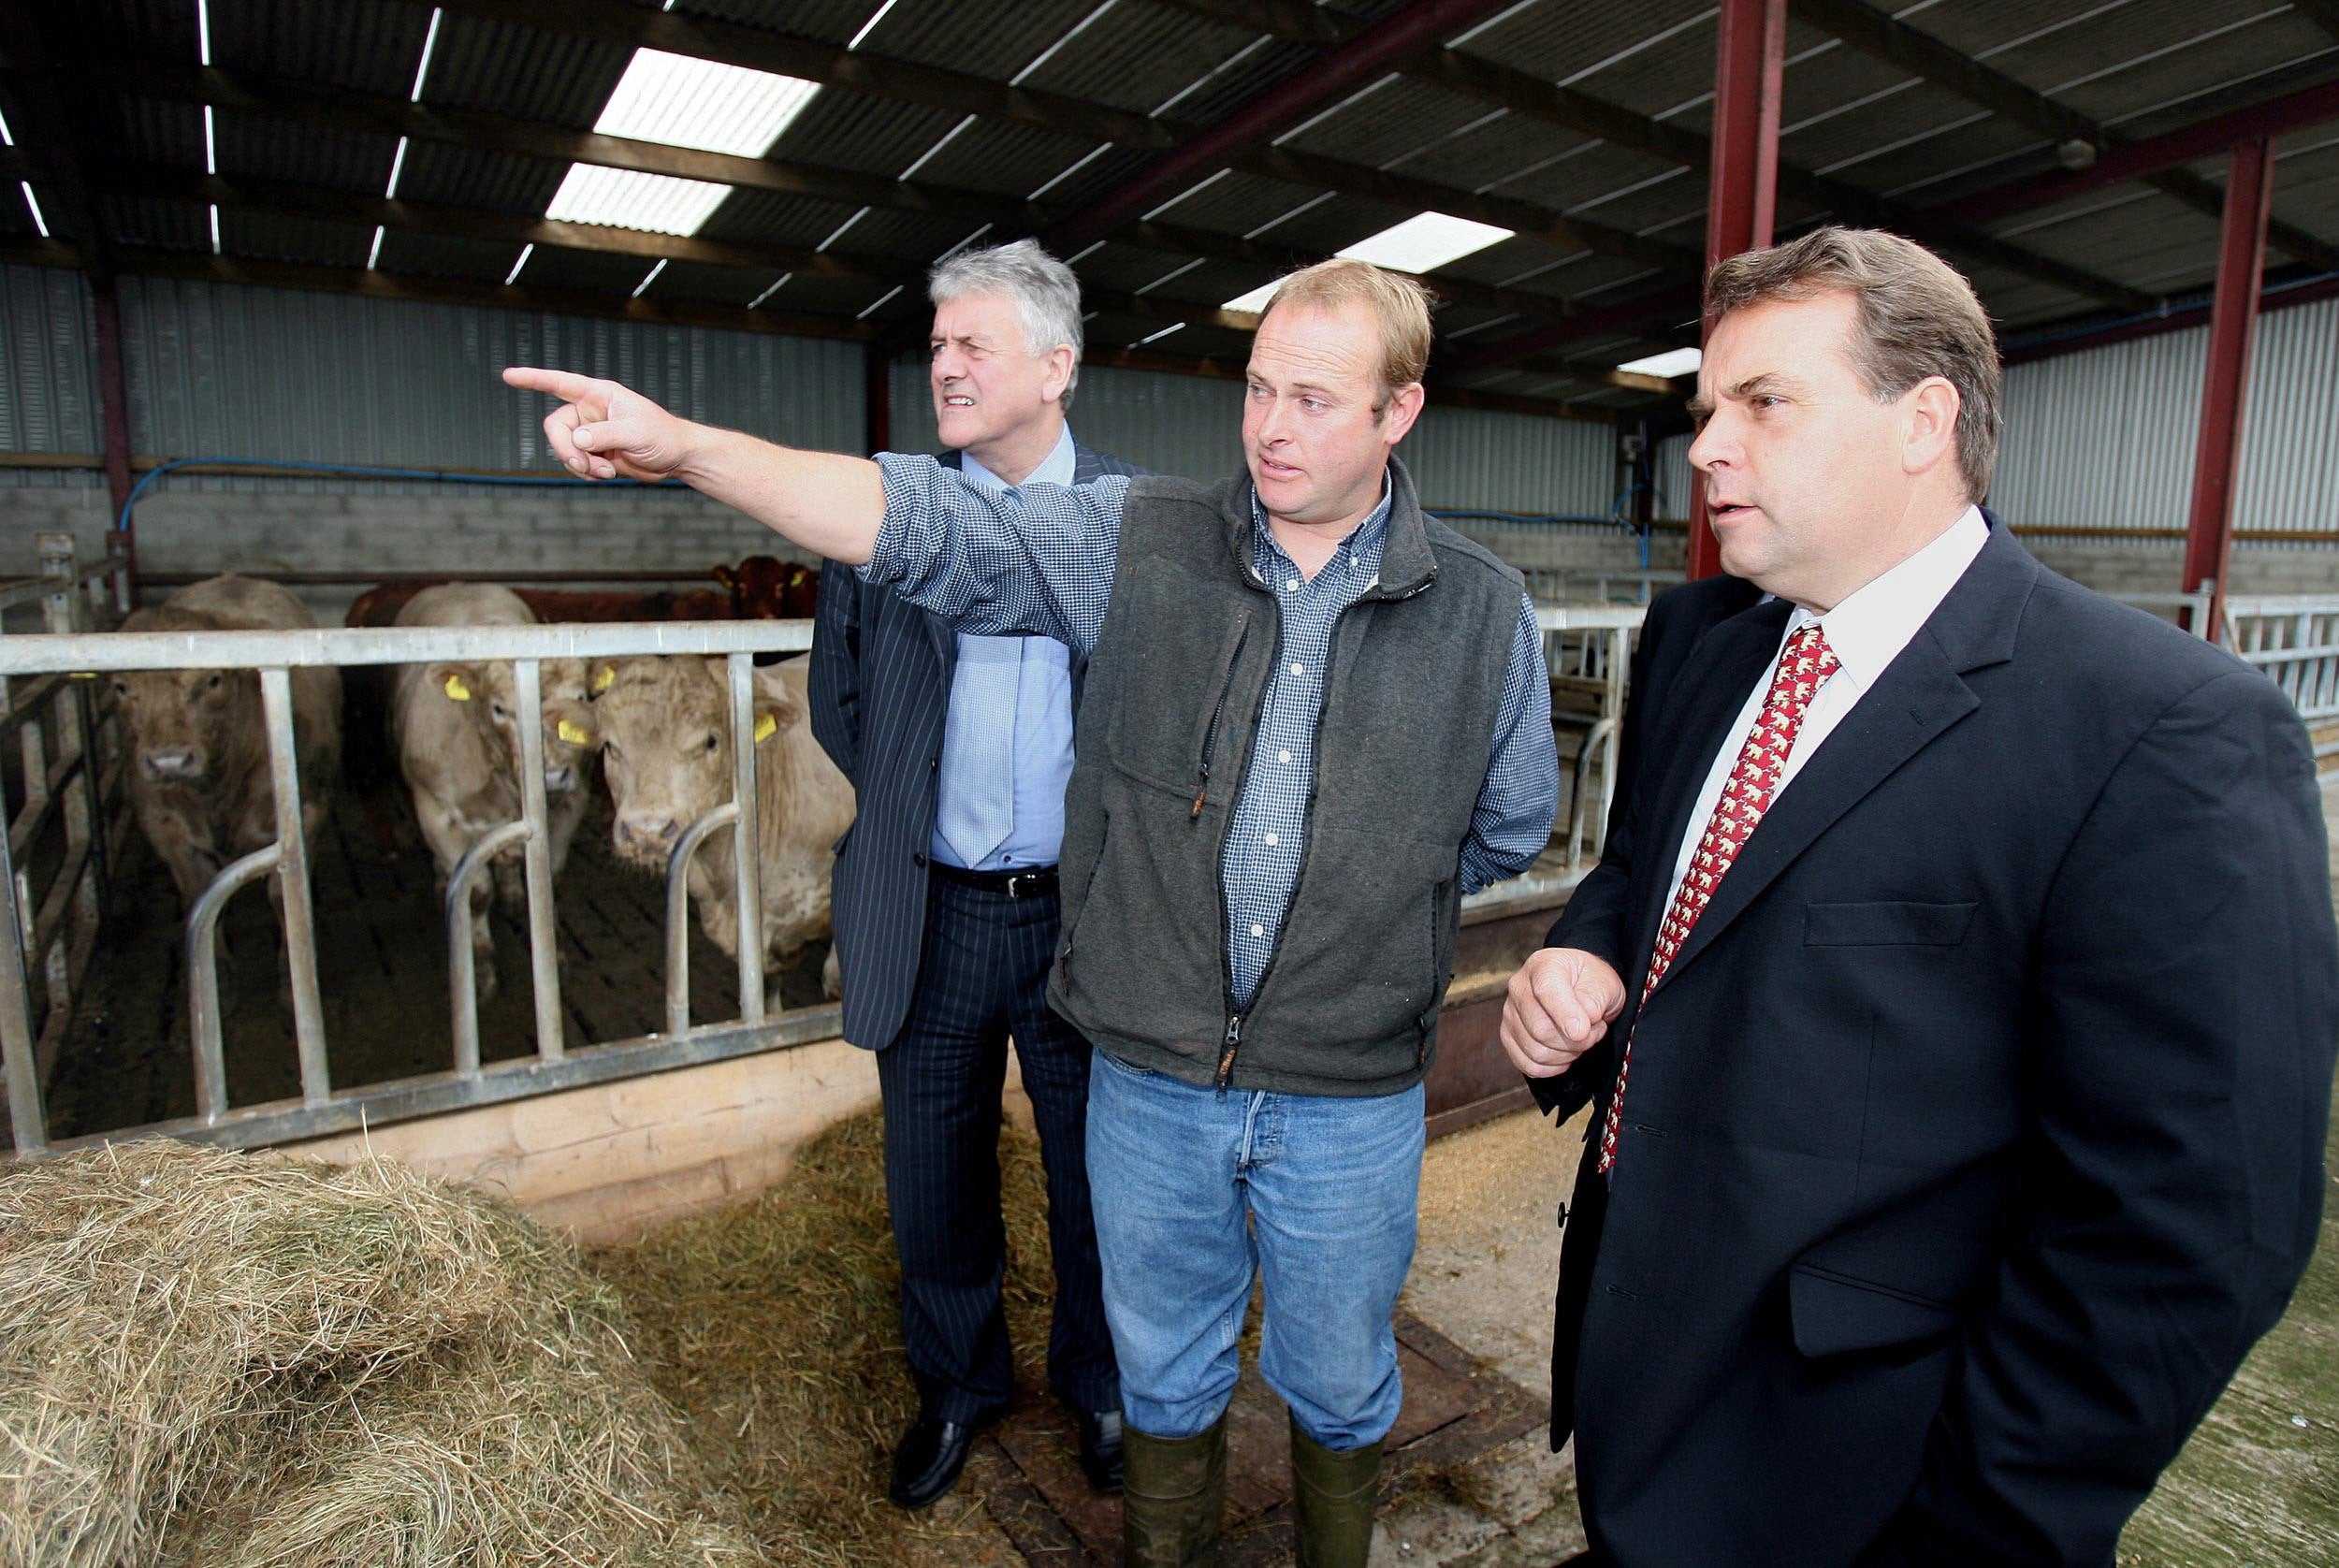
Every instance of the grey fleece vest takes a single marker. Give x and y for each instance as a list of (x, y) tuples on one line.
[(1348, 1004)]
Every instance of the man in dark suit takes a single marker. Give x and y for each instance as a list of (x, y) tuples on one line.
[(1955, 996), (945, 890)]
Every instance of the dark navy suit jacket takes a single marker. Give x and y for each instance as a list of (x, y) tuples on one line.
[(879, 692), (1976, 1130)]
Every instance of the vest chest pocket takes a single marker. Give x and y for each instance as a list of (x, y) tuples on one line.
[(1887, 924)]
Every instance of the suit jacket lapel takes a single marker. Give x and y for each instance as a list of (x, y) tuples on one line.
[(1919, 695)]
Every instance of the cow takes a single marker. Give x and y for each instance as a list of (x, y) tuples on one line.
[(198, 776), (455, 726), (666, 748)]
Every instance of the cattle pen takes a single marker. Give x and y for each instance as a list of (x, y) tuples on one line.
[(351, 1048)]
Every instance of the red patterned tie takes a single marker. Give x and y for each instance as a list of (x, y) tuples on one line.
[(1804, 666)]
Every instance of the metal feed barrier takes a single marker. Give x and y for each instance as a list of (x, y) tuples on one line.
[(2294, 638), (49, 660)]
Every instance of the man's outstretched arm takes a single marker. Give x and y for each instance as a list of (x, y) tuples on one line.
[(828, 504)]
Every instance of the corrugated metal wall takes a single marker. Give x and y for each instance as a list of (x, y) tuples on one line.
[(2106, 439), (49, 399), (1189, 425)]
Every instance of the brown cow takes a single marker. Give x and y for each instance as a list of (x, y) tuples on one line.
[(455, 725), (665, 734), (198, 740)]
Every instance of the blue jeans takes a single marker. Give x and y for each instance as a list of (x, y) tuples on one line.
[(1195, 1191)]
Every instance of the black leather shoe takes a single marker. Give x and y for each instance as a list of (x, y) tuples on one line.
[(931, 1455), (1100, 1449)]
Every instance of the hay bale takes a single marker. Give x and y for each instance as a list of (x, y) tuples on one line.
[(210, 1357), (776, 1325)]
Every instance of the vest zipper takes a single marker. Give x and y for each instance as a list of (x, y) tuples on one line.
[(1210, 736), (1225, 1055)]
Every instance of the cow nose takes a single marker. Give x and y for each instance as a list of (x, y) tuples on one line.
[(648, 833), (559, 781), (169, 764)]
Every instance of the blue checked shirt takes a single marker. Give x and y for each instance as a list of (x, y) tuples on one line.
[(1041, 560)]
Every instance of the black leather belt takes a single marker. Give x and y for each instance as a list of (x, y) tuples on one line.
[(1015, 884)]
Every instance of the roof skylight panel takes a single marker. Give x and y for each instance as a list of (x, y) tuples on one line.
[(1672, 362), (681, 102), (1422, 243)]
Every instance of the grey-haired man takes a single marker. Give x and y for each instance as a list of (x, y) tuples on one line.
[(945, 891)]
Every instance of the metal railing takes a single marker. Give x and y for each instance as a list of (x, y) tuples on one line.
[(1585, 585), (323, 1109), (1588, 648), (2294, 638), (62, 836)]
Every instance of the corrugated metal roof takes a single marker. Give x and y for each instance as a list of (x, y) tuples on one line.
[(830, 22), (868, 135), (350, 43), (781, 220), (441, 256), (996, 41), (1147, 53), (269, 236), (1012, 160), (502, 68), (254, 147), (1574, 45), (462, 177)]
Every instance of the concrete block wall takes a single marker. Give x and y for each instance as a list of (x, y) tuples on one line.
[(511, 531)]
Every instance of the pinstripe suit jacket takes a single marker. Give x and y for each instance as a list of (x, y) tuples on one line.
[(880, 690)]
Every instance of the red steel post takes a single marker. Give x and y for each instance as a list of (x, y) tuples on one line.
[(2250, 191), (1742, 181)]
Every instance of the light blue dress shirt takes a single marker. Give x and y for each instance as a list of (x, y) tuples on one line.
[(1043, 711)]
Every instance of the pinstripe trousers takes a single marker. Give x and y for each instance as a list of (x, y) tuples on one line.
[(982, 977)]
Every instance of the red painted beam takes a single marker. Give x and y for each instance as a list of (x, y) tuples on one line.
[(2249, 198), (2273, 297), (1742, 181), (1422, 25), (2204, 138)]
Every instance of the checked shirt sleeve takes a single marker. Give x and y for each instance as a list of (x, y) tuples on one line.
[(1038, 559), (1512, 821)]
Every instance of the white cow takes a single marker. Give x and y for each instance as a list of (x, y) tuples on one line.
[(665, 736), (457, 729)]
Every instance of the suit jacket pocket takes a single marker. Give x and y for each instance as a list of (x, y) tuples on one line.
[(1835, 1313), (1886, 924)]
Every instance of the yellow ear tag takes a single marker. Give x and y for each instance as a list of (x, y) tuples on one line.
[(574, 734), (765, 727), (456, 689), (84, 674), (605, 678)]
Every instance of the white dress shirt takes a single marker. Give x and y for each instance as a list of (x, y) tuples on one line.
[(1866, 633)]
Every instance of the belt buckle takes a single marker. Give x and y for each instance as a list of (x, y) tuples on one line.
[(1014, 877)]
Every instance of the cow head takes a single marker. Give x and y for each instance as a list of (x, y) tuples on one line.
[(665, 737), (489, 690), (182, 722)]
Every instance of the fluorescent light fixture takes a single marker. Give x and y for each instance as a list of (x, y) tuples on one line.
[(6, 139), (878, 301), (215, 229), (39, 221), (838, 232), (1422, 243), (1672, 362), (1159, 335), (374, 256), (625, 199), (513, 276), (203, 30), (397, 165), (430, 41), (948, 137), (682, 102), (1254, 301), (1426, 241), (769, 292), (211, 143), (875, 17), (644, 283)]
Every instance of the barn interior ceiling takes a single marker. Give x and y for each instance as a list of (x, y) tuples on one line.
[(794, 166)]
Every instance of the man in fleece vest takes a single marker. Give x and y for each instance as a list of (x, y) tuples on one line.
[(1314, 719)]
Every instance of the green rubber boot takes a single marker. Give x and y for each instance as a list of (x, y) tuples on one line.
[(1173, 1497), (1332, 1498)]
